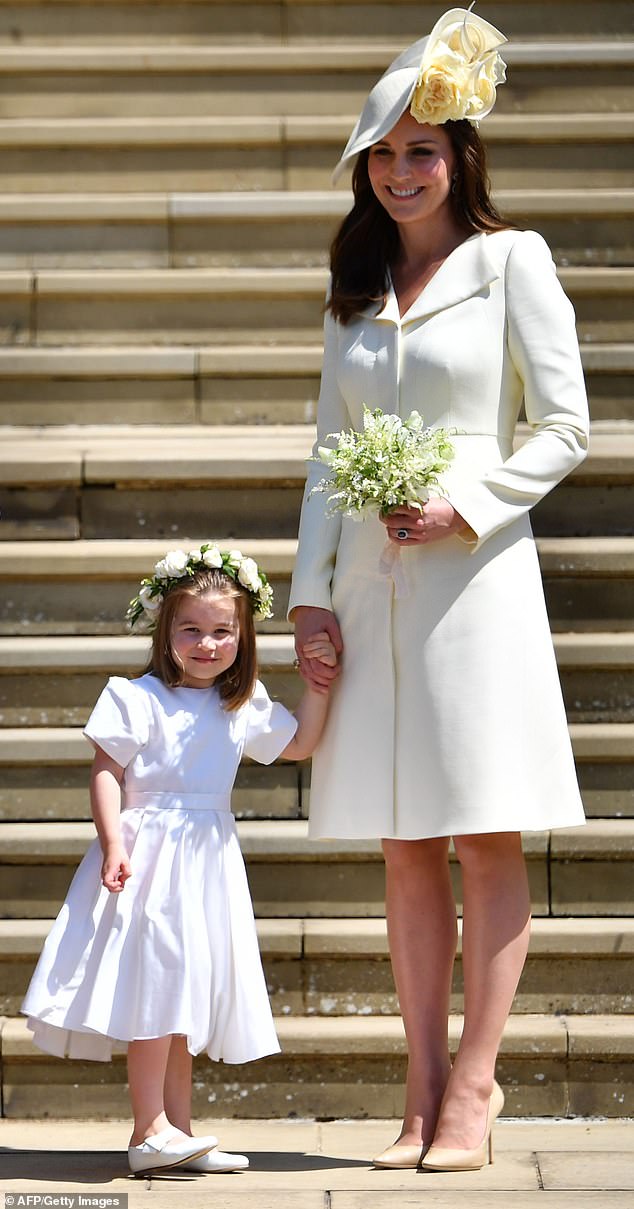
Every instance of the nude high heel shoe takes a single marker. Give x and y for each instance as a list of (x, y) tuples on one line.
[(400, 1158), (439, 1158)]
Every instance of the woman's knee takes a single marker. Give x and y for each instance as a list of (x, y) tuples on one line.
[(402, 856), (487, 854)]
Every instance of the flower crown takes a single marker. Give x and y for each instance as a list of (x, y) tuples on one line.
[(459, 71), (179, 565)]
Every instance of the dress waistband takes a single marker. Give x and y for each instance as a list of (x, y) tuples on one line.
[(170, 800)]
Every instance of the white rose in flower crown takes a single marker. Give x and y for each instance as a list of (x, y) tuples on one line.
[(150, 603), (172, 566), (234, 558), (195, 556), (248, 575), (212, 557)]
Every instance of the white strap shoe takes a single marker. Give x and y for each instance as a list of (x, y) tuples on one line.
[(218, 1160), (167, 1149)]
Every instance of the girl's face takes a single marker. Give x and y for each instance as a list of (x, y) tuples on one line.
[(410, 170), (205, 637)]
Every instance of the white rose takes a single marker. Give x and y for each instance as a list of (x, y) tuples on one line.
[(440, 96), (173, 566), (195, 556), (459, 71), (212, 557), (234, 558), (150, 603), (248, 575)]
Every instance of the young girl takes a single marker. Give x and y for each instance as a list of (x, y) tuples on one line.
[(155, 946)]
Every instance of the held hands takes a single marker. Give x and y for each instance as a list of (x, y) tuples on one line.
[(116, 868), (437, 521), (318, 646)]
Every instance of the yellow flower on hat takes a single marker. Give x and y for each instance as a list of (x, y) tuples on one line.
[(440, 95), (459, 71)]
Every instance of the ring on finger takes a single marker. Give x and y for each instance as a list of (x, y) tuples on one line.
[(402, 535)]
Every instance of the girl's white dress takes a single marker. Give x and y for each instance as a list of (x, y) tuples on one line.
[(176, 951)]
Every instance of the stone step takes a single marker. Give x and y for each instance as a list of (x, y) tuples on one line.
[(562, 76), (581, 871), (268, 228), (548, 1066), (341, 967), (147, 23), (100, 483), (44, 775), (218, 306), (142, 154), (589, 583), (54, 681), (183, 385)]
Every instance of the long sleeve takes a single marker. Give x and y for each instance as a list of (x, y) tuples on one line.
[(542, 345), (318, 532)]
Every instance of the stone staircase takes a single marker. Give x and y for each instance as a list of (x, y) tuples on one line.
[(164, 226)]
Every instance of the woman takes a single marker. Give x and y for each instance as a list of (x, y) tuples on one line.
[(448, 719)]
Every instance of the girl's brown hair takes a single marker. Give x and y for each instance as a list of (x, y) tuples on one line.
[(236, 684), (367, 242)]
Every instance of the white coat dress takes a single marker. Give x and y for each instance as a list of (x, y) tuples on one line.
[(448, 718)]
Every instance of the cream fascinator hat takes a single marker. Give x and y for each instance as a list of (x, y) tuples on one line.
[(451, 74)]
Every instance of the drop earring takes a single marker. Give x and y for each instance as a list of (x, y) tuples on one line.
[(454, 183)]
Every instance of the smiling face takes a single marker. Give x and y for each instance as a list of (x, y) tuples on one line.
[(410, 171), (205, 636)]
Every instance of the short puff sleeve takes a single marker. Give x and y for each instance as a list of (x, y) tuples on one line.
[(120, 721), (270, 727)]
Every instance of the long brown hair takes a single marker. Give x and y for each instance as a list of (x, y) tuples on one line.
[(367, 242), (235, 685)]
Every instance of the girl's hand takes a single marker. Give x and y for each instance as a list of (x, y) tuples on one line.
[(116, 869), (320, 647), (308, 622), (437, 521)]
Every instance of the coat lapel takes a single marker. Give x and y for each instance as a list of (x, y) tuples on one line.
[(466, 271)]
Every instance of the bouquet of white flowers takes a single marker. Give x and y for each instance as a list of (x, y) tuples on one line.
[(390, 464)]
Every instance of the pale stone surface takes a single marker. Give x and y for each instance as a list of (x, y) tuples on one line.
[(584, 1172), (602, 1037), (475, 1198), (300, 1162)]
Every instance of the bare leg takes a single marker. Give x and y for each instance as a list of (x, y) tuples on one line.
[(178, 1085), (494, 945), (147, 1064), (421, 918)]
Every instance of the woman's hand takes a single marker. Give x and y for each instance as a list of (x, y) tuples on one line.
[(116, 868), (437, 521), (309, 622)]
